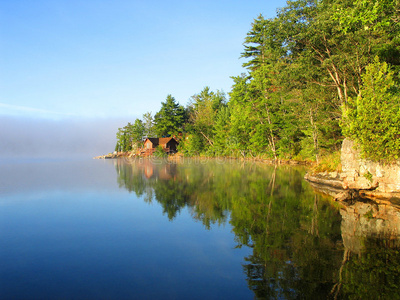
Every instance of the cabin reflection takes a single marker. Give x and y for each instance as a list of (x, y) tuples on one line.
[(148, 168), (148, 171), (158, 171)]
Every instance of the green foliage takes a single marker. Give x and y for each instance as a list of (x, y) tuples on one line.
[(369, 214), (373, 15), (148, 122), (170, 119), (159, 152), (373, 118), (368, 176), (262, 43), (129, 136), (203, 109), (303, 65), (137, 131), (221, 131), (192, 145)]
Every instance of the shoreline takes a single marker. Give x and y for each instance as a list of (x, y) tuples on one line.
[(329, 183), (334, 186), (177, 157)]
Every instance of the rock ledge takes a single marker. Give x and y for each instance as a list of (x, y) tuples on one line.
[(359, 178)]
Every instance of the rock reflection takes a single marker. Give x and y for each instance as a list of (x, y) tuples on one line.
[(303, 245), (371, 262), (363, 221)]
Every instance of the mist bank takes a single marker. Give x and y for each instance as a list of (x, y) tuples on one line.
[(30, 137)]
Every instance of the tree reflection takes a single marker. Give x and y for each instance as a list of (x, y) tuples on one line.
[(300, 245), (175, 187)]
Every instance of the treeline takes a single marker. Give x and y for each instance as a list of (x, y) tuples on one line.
[(317, 72)]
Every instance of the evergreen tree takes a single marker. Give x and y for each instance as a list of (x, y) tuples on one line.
[(170, 119), (263, 44), (137, 132), (123, 139), (373, 119)]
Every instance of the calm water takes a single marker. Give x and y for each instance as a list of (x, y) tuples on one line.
[(117, 229)]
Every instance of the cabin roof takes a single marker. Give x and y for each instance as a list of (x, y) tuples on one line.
[(165, 141), (162, 141), (154, 141)]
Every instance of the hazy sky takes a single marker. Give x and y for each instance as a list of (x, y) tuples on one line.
[(98, 59)]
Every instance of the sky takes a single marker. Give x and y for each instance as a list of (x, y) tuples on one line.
[(104, 63)]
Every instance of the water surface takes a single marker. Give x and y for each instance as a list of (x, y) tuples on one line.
[(119, 229)]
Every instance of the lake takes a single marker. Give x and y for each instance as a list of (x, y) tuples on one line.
[(193, 229)]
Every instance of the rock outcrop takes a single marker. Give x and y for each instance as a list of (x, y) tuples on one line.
[(361, 177), (362, 174)]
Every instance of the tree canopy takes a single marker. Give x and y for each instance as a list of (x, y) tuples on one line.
[(306, 85)]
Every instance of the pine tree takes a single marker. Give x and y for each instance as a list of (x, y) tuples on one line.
[(170, 119)]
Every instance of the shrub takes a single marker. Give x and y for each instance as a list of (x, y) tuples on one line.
[(159, 152)]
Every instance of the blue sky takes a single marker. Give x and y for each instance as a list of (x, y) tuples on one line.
[(117, 59)]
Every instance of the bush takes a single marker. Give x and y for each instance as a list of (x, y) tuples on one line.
[(159, 152)]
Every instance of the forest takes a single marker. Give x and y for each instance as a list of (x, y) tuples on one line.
[(318, 72)]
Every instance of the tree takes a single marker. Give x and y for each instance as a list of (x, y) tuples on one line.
[(377, 17), (137, 132), (149, 127), (302, 67), (261, 105), (129, 136), (123, 141), (332, 50), (240, 122), (202, 114), (170, 119), (221, 131), (373, 118), (263, 43)]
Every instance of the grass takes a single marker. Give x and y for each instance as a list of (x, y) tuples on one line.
[(329, 163)]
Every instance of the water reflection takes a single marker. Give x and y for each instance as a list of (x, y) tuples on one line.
[(371, 262), (303, 245)]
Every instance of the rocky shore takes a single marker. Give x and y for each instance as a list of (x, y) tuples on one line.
[(360, 178), (114, 155)]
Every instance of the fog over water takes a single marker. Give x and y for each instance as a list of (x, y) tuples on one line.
[(30, 137)]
